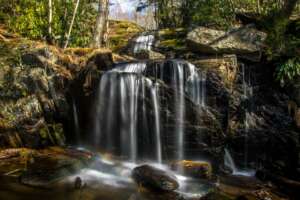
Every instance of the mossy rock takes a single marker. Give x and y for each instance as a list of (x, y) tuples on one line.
[(120, 32)]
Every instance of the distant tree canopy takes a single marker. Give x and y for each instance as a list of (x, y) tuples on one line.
[(222, 13), (279, 18), (54, 19), (30, 18)]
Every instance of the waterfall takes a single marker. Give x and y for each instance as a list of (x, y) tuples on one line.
[(178, 84), (117, 116), (128, 102), (186, 82), (229, 162), (143, 43), (196, 85), (138, 67), (248, 94), (117, 112), (76, 121), (154, 96)]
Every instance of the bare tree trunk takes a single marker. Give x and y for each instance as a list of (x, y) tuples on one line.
[(71, 25), (50, 18), (101, 24), (259, 6), (49, 36), (65, 24)]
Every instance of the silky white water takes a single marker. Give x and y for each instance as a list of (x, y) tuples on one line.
[(76, 121), (154, 97), (229, 162), (143, 43), (128, 103)]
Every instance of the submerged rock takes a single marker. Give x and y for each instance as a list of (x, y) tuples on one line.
[(196, 169), (153, 178), (244, 41)]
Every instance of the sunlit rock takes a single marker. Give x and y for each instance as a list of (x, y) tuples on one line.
[(244, 41), (149, 54), (197, 169)]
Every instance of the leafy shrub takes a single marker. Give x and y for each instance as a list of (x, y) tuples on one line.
[(288, 71)]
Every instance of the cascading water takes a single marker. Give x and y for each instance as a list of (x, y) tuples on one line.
[(229, 162), (117, 110), (143, 42), (186, 80), (118, 107), (154, 97), (196, 85), (178, 84), (76, 121), (123, 108), (248, 94)]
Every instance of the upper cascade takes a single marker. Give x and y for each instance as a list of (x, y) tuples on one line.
[(143, 43)]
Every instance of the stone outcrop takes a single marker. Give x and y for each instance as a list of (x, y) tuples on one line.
[(149, 54), (244, 41), (196, 169), (33, 100), (34, 84), (254, 116), (154, 179)]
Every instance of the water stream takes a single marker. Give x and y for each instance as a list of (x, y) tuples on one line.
[(248, 106), (229, 162), (76, 122), (143, 43)]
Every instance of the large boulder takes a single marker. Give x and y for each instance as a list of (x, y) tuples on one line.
[(154, 179), (196, 169), (244, 41)]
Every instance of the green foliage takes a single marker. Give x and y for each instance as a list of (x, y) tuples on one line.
[(213, 12), (288, 71), (120, 32), (172, 14), (30, 19)]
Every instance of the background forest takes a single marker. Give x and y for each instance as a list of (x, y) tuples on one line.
[(51, 20)]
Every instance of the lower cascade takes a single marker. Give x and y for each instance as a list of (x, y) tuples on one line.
[(128, 118), (230, 164)]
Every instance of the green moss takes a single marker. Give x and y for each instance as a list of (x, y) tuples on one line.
[(173, 43), (58, 134), (120, 32), (173, 33), (44, 132)]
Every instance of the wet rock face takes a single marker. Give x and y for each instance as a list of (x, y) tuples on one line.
[(32, 100), (254, 114), (259, 123), (154, 179), (34, 82), (149, 54), (244, 41)]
